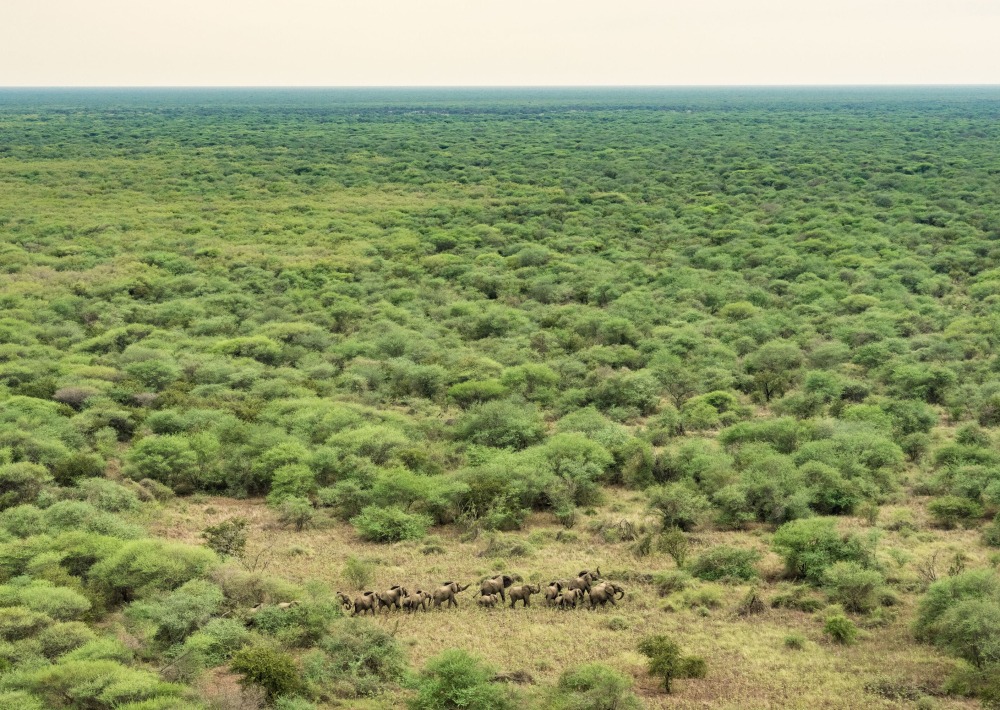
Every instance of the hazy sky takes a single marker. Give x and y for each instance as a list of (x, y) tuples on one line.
[(497, 42)]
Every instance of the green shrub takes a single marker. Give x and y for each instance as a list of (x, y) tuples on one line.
[(502, 424), (851, 585), (216, 642), (63, 637), (729, 563), (667, 663), (107, 495), (142, 567), (180, 612), (961, 614), (359, 653), (456, 680), (840, 629), (679, 505), (594, 686), (390, 525), (60, 603), (991, 532), (358, 573), (291, 481), (95, 684), (18, 622), (810, 546), (951, 511), (795, 642), (21, 483), (270, 668), (671, 581), (296, 512), (227, 538)]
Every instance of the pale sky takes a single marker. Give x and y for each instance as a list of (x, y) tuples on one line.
[(497, 42)]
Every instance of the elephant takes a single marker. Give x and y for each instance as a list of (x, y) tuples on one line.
[(552, 592), (570, 597), (523, 592), (488, 600), (365, 602), (288, 605), (345, 601), (605, 592), (417, 600), (446, 593), (496, 585), (392, 597)]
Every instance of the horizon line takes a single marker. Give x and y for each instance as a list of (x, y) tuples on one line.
[(501, 86)]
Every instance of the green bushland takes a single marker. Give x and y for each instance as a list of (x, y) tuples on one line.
[(764, 311)]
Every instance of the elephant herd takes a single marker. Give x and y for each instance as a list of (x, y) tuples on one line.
[(561, 593)]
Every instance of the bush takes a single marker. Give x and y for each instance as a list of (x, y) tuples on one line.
[(594, 687), (227, 538), (18, 622), (177, 614), (811, 545), (108, 495), (64, 637), (795, 642), (731, 563), (296, 512), (856, 588), (961, 613), (671, 581), (358, 573), (142, 567), (501, 424), (21, 483), (667, 663), (92, 684), (390, 524), (951, 511), (359, 653), (840, 629), (991, 533), (456, 680), (679, 505), (270, 668)]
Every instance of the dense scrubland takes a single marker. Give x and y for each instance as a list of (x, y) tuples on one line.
[(735, 348)]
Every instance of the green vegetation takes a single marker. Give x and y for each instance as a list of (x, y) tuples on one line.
[(703, 333)]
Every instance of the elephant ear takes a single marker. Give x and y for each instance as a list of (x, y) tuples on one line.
[(507, 581)]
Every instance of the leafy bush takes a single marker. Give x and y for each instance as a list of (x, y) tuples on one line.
[(723, 562), (594, 686), (679, 505), (359, 653), (139, 568), (358, 573), (296, 512), (840, 629), (667, 663), (951, 511), (961, 614), (856, 588), (180, 612), (810, 546), (63, 637), (227, 538), (456, 680), (502, 424), (270, 668), (390, 525)]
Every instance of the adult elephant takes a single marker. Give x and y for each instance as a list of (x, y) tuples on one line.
[(496, 585), (522, 593), (605, 592), (364, 603), (446, 593), (392, 597)]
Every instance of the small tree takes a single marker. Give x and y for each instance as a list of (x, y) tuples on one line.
[(296, 511), (455, 680), (667, 663), (227, 538), (680, 505), (270, 668)]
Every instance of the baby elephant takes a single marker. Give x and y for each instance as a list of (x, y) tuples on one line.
[(488, 600), (523, 592), (570, 597)]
